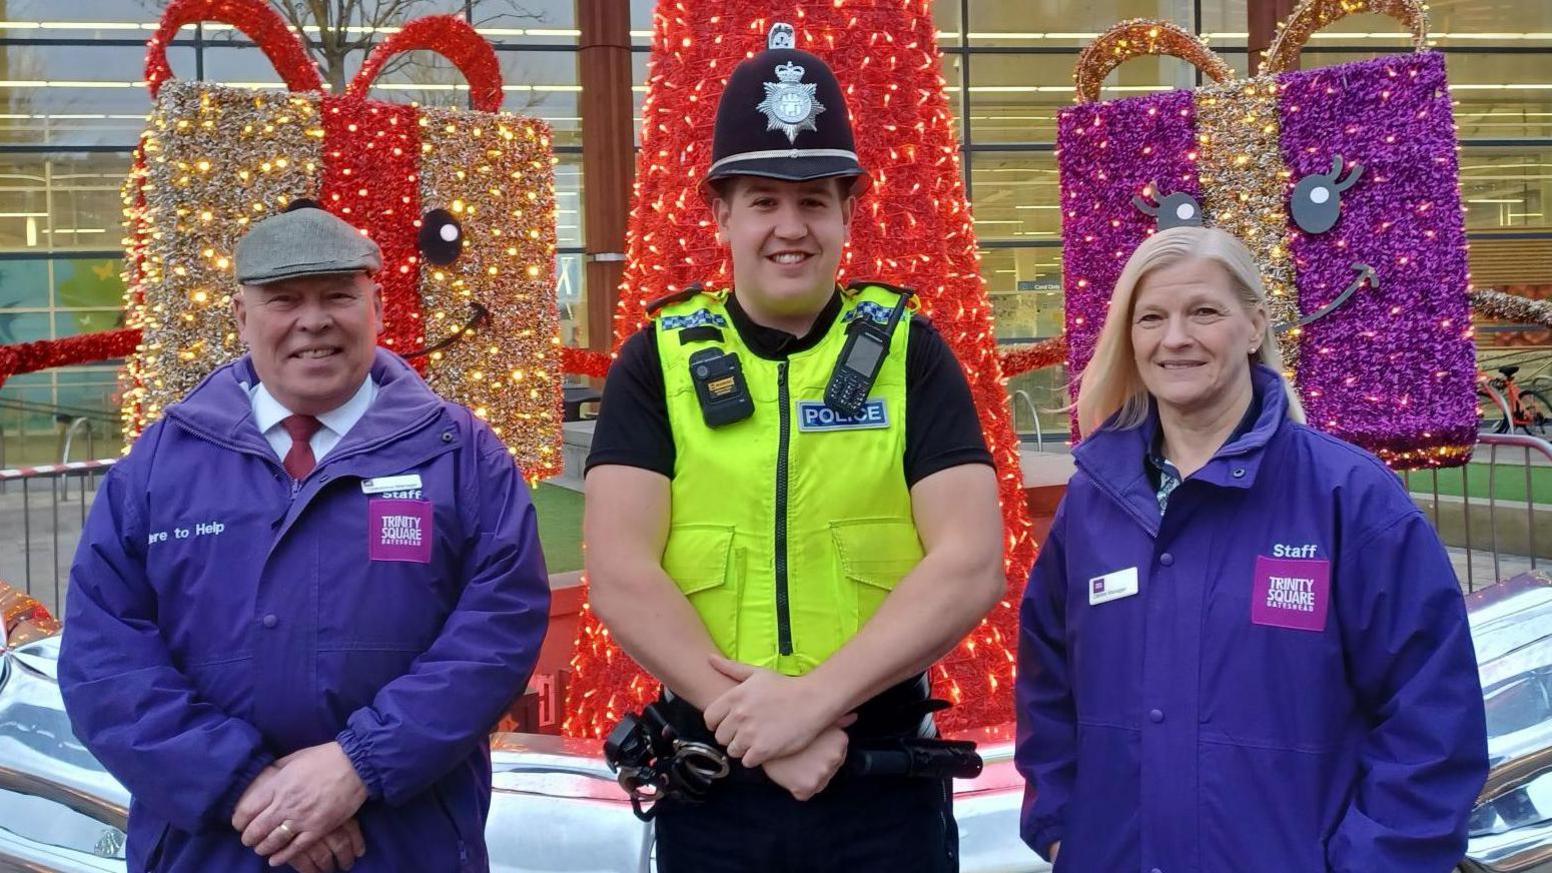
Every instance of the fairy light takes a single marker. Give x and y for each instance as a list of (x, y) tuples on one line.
[(213, 160), (913, 228)]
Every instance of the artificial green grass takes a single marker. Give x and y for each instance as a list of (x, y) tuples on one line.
[(560, 527), (1508, 482)]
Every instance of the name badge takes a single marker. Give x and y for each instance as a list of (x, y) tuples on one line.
[(385, 484), (1113, 586), (399, 530), (817, 417), (1291, 593)]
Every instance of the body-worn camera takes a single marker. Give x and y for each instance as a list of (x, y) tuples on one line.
[(720, 387)]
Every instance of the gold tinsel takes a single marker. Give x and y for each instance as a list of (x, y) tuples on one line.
[(497, 177), (1137, 37), (1418, 459), (1244, 187), (1312, 15), (1512, 308), (216, 160)]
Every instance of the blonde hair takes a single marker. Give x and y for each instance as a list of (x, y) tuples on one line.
[(1111, 385)]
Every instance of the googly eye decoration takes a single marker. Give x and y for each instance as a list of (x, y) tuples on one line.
[(1174, 210), (1317, 199), (441, 237)]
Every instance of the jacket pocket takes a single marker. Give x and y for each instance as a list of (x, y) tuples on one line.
[(153, 856), (439, 799), (874, 555), (701, 560), (1266, 809)]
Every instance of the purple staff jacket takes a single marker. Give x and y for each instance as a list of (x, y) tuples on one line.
[(1291, 688), (221, 616)]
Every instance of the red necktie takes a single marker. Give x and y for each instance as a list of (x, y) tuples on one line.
[(299, 460)]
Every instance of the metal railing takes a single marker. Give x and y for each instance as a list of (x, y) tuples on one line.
[(36, 505), (1034, 416), (91, 442), (1488, 511)]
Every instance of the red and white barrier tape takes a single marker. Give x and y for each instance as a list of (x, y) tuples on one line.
[(55, 469)]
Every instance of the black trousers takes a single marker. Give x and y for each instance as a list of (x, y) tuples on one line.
[(856, 825)]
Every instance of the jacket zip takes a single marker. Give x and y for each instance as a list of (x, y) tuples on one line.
[(783, 613)]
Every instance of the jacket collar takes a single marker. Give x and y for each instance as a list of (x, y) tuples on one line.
[(1114, 458), (220, 407)]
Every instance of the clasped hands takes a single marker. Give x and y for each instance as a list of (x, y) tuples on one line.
[(778, 723), (301, 811)]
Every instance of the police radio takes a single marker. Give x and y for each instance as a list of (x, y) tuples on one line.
[(720, 387), (867, 345)]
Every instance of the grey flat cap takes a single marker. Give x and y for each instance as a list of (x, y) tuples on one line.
[(306, 241)]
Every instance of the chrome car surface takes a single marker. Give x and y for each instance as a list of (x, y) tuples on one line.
[(557, 809), (1511, 827)]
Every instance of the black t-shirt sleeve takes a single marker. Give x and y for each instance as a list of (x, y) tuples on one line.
[(942, 429), (632, 427)]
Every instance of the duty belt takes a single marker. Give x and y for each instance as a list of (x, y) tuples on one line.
[(652, 762), (667, 752)]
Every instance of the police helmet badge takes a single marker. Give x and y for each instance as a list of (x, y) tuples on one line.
[(790, 105)]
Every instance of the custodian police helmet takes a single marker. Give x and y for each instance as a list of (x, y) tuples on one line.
[(783, 116)]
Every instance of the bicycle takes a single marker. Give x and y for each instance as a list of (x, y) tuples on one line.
[(1529, 409)]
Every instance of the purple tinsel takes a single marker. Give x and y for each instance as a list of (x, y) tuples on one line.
[(1109, 152), (1393, 369)]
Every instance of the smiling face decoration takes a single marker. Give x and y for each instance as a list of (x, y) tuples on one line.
[(460, 201), (1343, 181)]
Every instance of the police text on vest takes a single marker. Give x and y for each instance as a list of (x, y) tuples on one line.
[(814, 417)]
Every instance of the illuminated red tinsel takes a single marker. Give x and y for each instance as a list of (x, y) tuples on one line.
[(258, 21), (913, 228), (1035, 356), (454, 39), (585, 362), (47, 354), (370, 178)]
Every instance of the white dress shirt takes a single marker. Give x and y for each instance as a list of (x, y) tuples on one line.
[(268, 413)]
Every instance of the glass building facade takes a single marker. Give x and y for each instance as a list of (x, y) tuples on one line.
[(72, 104)]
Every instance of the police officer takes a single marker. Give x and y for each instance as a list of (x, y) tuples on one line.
[(791, 511)]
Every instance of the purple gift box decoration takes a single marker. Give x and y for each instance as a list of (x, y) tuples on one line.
[(1344, 183)]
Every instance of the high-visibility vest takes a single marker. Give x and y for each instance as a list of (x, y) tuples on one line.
[(790, 527)]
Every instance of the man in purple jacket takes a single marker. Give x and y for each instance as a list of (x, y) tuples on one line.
[(308, 593)]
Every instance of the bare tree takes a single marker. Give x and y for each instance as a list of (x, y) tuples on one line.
[(346, 26)]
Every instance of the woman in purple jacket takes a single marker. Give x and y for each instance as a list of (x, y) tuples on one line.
[(1242, 648)]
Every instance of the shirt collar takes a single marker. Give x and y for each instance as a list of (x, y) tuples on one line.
[(774, 343), (1156, 444), (268, 412)]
